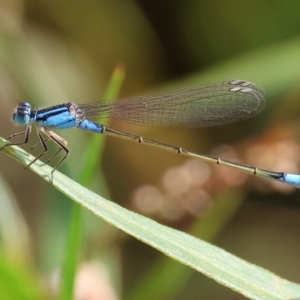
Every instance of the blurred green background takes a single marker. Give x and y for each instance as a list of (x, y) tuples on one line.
[(58, 51)]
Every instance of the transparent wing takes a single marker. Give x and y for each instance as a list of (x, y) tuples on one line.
[(214, 104)]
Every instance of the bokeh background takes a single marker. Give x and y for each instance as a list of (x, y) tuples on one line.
[(57, 51)]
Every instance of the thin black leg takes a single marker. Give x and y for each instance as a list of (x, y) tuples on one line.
[(42, 141), (26, 137)]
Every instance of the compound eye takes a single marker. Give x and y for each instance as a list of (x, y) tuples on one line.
[(21, 115), (27, 106)]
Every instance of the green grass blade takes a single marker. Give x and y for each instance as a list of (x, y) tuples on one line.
[(175, 275), (17, 281), (71, 255), (91, 161), (241, 276), (96, 145)]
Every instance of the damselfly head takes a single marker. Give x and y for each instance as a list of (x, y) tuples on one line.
[(21, 114)]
